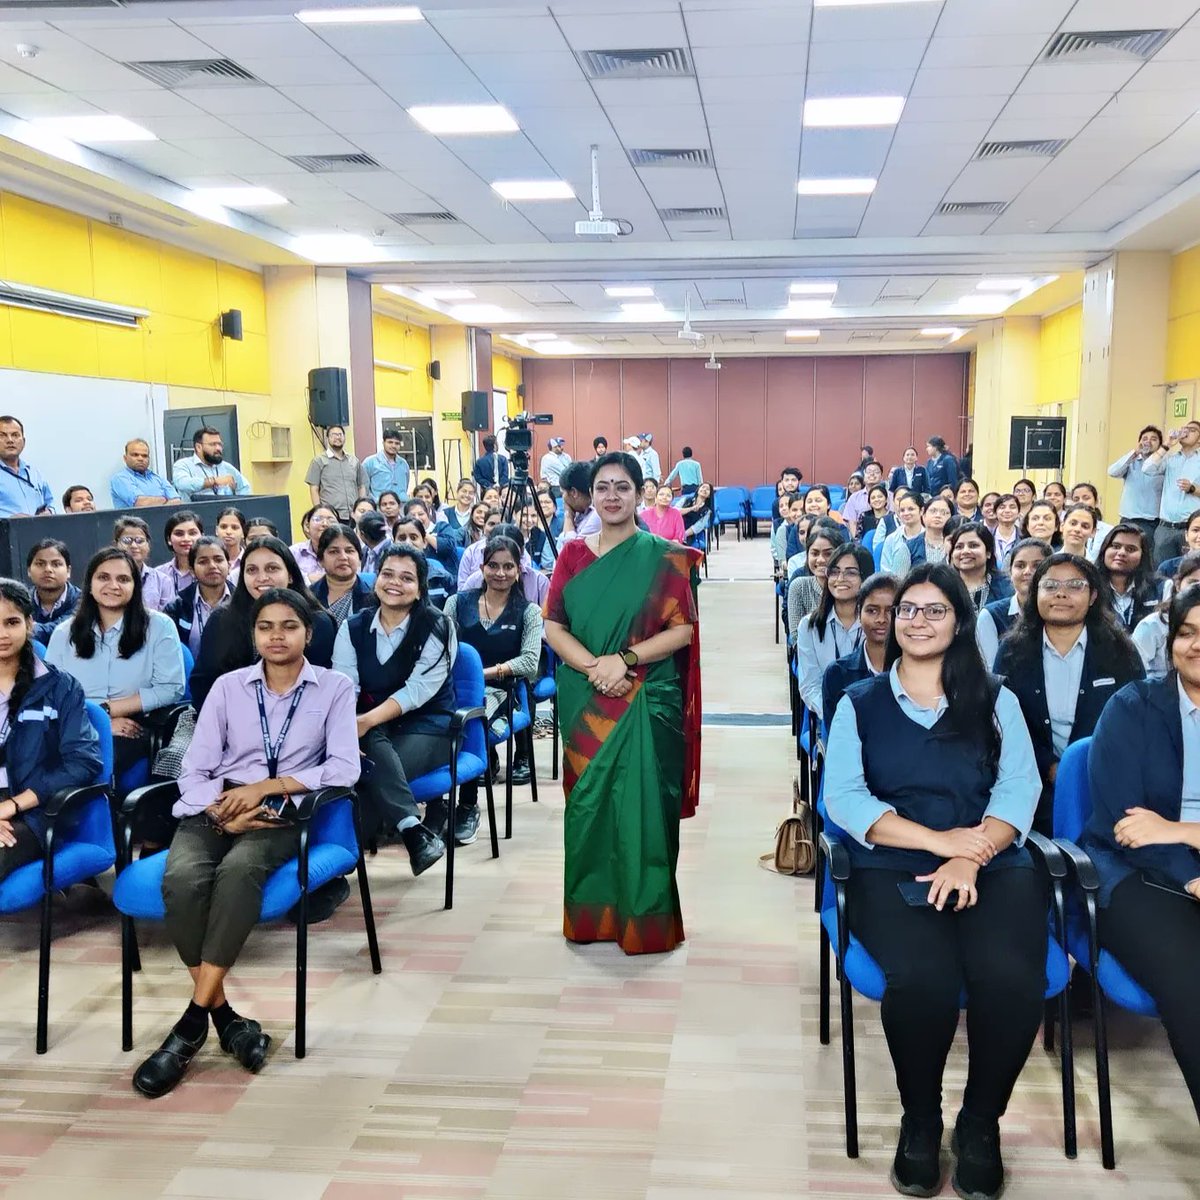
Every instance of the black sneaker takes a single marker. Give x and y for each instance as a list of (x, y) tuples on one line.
[(979, 1171), (917, 1167), (466, 824), (520, 771), (436, 812), (424, 847)]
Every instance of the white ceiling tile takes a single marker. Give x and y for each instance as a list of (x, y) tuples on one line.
[(881, 81), (958, 226), (517, 95), (284, 37), (967, 81), (960, 108), (508, 157), (1183, 47), (901, 54), (859, 291), (670, 188), (428, 79), (46, 104), (837, 153), (18, 83), (258, 125), (1179, 106), (1116, 14), (320, 143), (1037, 107), (744, 26), (632, 31), (968, 18), (491, 35), (934, 134), (1164, 76), (1085, 78), (647, 94), (332, 99), (324, 69), (125, 44), (150, 102), (871, 23), (812, 210), (547, 66), (234, 153), (1001, 50), (200, 125), (386, 118), (995, 179), (769, 90), (744, 62), (1024, 129), (82, 68), (401, 38), (1108, 207), (232, 100)]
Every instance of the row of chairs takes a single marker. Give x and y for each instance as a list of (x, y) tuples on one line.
[(83, 839), (744, 508)]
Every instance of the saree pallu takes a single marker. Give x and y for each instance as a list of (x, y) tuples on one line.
[(631, 763)]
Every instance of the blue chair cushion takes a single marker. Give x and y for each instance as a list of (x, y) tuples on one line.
[(545, 688), (1116, 983), (437, 783), (72, 864)]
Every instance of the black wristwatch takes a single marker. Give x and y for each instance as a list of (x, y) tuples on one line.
[(629, 657)]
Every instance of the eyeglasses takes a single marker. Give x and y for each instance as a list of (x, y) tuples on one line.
[(133, 541), (844, 573), (1050, 586), (931, 612)]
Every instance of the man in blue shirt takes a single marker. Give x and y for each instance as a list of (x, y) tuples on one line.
[(1177, 462), (23, 490), (490, 470), (206, 474), (387, 471), (942, 467), (137, 486)]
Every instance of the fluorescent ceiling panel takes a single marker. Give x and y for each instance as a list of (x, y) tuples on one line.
[(239, 197), (1003, 285), (335, 248), (534, 189), (802, 335), (449, 293), (644, 310), (630, 292), (852, 112), (942, 331), (359, 16), (93, 129), (813, 288), (464, 118), (836, 187), (866, 3)]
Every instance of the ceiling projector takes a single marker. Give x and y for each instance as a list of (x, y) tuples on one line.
[(712, 364), (602, 228)]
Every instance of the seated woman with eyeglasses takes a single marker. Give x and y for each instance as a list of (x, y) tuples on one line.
[(931, 772), (994, 620), (268, 734), (831, 631), (1144, 833), (308, 552), (132, 535), (804, 588)]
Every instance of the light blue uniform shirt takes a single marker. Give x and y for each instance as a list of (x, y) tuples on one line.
[(189, 475), (1063, 674), (384, 476), (1141, 498), (852, 806), (688, 472), (154, 673), (127, 485), (1175, 505), (653, 468), (1189, 809), (23, 490)]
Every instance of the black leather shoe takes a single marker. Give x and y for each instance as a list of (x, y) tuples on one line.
[(917, 1167), (466, 824), (245, 1040), (979, 1171), (436, 813), (324, 902), (424, 847), (520, 771), (166, 1066)]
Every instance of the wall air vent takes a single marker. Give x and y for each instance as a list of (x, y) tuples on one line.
[(195, 72), (715, 213), (972, 208), (867, 335), (324, 164), (1044, 148), (670, 158), (424, 218), (736, 339), (636, 64), (555, 304), (726, 302), (1106, 45), (63, 304)]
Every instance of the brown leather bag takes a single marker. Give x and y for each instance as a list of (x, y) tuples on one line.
[(795, 848)]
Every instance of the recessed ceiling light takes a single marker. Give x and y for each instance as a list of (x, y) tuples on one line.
[(543, 336), (846, 112), (836, 187), (100, 127), (941, 331), (477, 314), (239, 197), (335, 248), (534, 189), (800, 335), (644, 310), (359, 16), (464, 118), (1003, 285), (628, 292), (449, 293), (864, 3), (811, 288)]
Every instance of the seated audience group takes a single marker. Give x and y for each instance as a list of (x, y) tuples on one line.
[(950, 665)]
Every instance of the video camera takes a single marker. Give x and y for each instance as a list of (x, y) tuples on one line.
[(518, 437)]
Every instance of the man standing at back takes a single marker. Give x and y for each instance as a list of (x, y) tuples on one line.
[(650, 459), (857, 505), (387, 471), (491, 468), (336, 478), (1141, 497), (942, 467), (23, 491), (206, 474), (137, 486), (1177, 461), (554, 462)]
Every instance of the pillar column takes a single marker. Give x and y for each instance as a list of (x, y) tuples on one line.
[(1006, 386)]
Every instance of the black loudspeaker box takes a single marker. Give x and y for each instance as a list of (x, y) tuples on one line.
[(231, 324), (474, 411), (521, 391), (435, 369), (328, 396)]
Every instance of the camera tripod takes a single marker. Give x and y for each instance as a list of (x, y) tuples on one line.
[(521, 492)]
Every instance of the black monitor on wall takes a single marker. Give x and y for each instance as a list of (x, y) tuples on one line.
[(1037, 443)]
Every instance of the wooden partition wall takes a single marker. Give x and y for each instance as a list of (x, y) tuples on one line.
[(755, 415)]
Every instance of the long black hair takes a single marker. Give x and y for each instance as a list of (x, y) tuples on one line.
[(18, 595), (286, 597), (1023, 523), (424, 621), (135, 623), (969, 690), (1181, 604), (984, 534), (863, 559), (1104, 631), (618, 458), (242, 602), (331, 533), (1142, 584)]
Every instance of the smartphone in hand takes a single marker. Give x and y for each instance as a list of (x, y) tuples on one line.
[(277, 808)]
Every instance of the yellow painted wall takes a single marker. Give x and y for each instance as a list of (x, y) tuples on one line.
[(1060, 355), (399, 342), (506, 375), (449, 344), (1183, 316)]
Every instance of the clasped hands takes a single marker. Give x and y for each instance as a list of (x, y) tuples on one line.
[(239, 809), (609, 675), (965, 851)]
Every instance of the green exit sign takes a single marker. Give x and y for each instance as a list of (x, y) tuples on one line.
[(1179, 408), (451, 416)]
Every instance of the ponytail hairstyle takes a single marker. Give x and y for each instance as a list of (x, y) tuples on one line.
[(135, 623), (18, 595)]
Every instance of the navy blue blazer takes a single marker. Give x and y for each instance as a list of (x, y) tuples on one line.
[(1000, 589), (1104, 674), (942, 470), (1136, 761), (920, 481), (182, 610), (839, 675)]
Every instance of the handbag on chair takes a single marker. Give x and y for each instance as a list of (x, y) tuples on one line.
[(795, 850)]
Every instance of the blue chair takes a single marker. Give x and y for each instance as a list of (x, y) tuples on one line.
[(1072, 809), (729, 508), (468, 755), (517, 722), (79, 845), (868, 540), (39, 649), (837, 495), (545, 687), (877, 552), (859, 972), (160, 724), (762, 499), (330, 846)]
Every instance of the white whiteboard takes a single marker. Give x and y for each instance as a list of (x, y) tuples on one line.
[(76, 428)]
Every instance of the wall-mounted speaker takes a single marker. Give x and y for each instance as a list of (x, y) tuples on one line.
[(328, 396), (435, 369), (231, 324), (474, 411), (521, 391)]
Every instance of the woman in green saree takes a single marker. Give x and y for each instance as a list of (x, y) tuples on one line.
[(621, 615)]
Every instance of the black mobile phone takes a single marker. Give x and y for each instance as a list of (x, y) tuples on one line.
[(277, 808), (916, 895), (1165, 885)]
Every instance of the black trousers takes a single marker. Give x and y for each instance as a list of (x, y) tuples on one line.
[(995, 950), (27, 849), (1156, 937)]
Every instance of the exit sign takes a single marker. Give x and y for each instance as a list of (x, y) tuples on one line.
[(1179, 408), (451, 416)]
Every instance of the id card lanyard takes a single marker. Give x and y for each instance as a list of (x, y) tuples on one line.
[(273, 750)]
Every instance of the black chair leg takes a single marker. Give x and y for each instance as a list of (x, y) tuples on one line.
[(1067, 1066), (491, 807), (532, 763), (1103, 1087), (849, 1084), (128, 954), (450, 837), (823, 963), (43, 1010), (508, 786), (364, 892), (554, 751), (302, 974)]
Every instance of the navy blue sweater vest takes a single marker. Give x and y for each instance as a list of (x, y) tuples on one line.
[(934, 777), (499, 643)]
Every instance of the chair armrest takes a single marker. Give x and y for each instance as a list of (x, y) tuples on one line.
[(837, 856), (463, 715), (1046, 854), (1080, 865), (315, 800), (69, 798), (153, 793)]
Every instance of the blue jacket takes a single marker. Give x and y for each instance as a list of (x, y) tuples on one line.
[(182, 610), (839, 675), (482, 471), (53, 744), (1000, 589), (920, 481), (442, 583), (941, 471), (45, 623), (1136, 761)]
